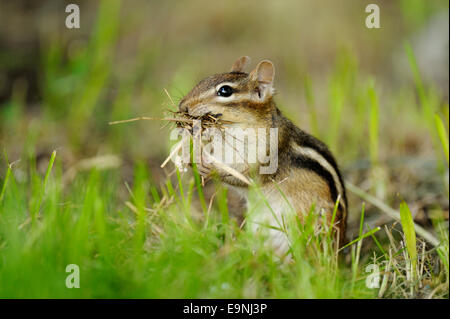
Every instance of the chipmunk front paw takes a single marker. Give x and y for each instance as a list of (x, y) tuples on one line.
[(204, 169)]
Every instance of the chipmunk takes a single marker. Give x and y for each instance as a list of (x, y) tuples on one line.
[(307, 173)]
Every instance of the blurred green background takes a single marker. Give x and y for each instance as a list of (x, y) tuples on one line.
[(60, 87), (373, 95)]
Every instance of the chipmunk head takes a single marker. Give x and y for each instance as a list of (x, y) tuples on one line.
[(235, 96)]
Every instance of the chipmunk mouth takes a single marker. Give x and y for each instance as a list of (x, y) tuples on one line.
[(202, 117), (211, 112), (205, 109)]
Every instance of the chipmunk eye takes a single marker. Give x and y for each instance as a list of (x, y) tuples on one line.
[(225, 91)]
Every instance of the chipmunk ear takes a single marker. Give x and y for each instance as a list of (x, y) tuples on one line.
[(240, 64), (264, 74)]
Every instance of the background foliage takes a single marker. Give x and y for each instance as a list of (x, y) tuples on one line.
[(377, 97)]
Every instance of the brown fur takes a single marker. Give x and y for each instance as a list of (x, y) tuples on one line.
[(302, 184)]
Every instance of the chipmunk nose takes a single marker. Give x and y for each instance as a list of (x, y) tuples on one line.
[(182, 107)]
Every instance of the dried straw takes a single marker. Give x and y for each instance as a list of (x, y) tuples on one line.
[(186, 121)]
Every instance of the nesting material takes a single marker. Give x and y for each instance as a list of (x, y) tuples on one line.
[(207, 121), (186, 121)]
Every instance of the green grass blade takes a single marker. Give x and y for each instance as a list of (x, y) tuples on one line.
[(5, 182), (44, 185), (333, 216), (443, 136), (407, 222), (416, 74), (369, 233), (361, 222), (373, 125), (198, 184)]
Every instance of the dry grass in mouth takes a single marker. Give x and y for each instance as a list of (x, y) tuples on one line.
[(182, 120), (207, 120), (186, 121)]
